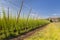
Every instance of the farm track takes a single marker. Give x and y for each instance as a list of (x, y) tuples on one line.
[(49, 32), (29, 33)]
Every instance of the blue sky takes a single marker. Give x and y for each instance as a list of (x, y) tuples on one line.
[(42, 8)]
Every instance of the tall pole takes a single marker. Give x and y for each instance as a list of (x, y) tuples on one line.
[(8, 13), (20, 11)]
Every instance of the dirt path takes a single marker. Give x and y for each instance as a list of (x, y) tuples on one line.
[(50, 32)]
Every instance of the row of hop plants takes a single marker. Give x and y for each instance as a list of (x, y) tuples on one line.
[(14, 26), (10, 27)]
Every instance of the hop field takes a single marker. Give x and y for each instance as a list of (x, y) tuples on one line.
[(8, 28), (11, 26), (29, 20)]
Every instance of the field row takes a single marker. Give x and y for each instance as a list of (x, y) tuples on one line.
[(12, 28)]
